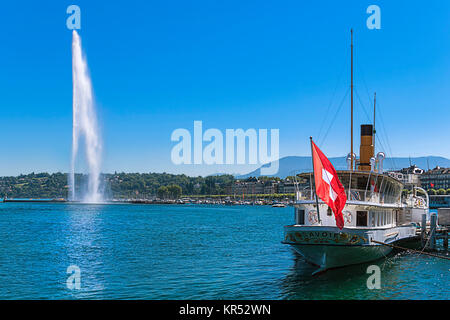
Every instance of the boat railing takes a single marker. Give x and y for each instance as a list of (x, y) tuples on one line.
[(306, 194), (359, 186)]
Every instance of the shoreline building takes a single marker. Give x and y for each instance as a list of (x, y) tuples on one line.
[(249, 186), (411, 176), (254, 186), (287, 186), (437, 178)]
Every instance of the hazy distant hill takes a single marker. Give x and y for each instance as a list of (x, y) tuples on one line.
[(293, 164)]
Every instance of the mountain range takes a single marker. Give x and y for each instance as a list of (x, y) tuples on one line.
[(296, 164)]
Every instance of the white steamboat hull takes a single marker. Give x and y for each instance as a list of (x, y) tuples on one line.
[(329, 256), (329, 247)]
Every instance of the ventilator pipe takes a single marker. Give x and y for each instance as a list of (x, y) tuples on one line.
[(372, 164), (380, 158), (349, 161)]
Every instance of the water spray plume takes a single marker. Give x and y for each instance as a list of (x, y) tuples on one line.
[(84, 125)]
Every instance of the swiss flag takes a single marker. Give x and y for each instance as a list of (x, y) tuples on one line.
[(328, 186), (373, 186)]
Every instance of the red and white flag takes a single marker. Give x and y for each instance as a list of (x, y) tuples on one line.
[(328, 186), (373, 186)]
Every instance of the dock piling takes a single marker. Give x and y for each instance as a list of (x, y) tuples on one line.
[(424, 229), (445, 240), (433, 225)]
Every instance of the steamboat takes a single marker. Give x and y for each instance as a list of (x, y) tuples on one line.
[(376, 210)]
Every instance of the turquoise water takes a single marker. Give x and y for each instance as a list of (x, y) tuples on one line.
[(183, 252)]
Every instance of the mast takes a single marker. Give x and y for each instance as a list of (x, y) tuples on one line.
[(351, 101), (374, 106)]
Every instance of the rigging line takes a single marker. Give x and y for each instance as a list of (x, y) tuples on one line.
[(382, 143), (362, 105), (380, 116), (369, 97), (387, 152), (413, 250), (331, 100), (334, 118), (387, 139), (364, 82), (382, 147), (368, 117), (370, 121)]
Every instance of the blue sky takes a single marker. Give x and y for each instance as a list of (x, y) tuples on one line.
[(159, 65)]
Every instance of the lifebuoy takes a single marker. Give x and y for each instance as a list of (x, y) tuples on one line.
[(347, 217), (312, 217), (418, 202)]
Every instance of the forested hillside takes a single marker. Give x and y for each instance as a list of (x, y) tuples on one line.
[(117, 185)]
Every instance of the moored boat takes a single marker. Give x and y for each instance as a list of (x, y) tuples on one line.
[(375, 214), (375, 210), (278, 205)]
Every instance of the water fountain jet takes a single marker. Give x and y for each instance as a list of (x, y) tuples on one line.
[(84, 125)]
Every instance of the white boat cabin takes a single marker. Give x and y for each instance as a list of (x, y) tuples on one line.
[(374, 200)]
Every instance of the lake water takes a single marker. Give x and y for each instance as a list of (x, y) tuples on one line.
[(184, 252)]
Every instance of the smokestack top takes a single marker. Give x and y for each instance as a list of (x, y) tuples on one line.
[(366, 130)]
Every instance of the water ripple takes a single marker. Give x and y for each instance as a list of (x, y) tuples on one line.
[(183, 252)]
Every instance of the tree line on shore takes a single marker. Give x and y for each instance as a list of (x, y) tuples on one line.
[(440, 192), (431, 192), (128, 185), (115, 186)]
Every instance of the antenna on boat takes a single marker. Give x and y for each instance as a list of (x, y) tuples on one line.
[(351, 101)]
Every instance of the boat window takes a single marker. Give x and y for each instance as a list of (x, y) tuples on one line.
[(361, 218), (299, 216), (372, 219)]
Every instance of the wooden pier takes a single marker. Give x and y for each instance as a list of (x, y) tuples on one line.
[(431, 233), (428, 234)]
